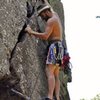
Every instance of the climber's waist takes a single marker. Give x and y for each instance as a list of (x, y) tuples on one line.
[(54, 41)]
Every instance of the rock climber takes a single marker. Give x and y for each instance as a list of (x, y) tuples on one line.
[(53, 34)]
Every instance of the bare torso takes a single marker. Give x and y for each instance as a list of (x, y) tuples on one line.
[(57, 28), (53, 29)]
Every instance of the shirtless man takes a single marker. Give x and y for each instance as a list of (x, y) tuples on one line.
[(52, 33)]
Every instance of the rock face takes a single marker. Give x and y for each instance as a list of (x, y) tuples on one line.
[(22, 57), (11, 21)]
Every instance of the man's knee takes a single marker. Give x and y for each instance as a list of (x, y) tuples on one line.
[(57, 78), (49, 74), (51, 77)]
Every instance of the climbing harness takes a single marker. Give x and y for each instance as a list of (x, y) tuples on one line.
[(55, 53)]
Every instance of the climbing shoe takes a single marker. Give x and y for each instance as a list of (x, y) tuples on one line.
[(47, 99), (54, 98)]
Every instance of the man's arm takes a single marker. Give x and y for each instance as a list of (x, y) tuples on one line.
[(45, 35)]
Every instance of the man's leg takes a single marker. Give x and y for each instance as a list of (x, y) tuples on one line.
[(51, 79), (57, 82)]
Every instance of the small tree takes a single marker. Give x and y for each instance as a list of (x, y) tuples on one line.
[(83, 99), (97, 97)]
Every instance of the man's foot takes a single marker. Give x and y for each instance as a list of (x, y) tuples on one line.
[(54, 98), (47, 98)]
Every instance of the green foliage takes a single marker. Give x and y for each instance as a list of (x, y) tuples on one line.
[(97, 97)]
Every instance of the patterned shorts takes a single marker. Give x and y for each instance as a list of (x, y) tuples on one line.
[(55, 53)]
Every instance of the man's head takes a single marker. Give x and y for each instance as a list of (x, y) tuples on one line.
[(43, 11)]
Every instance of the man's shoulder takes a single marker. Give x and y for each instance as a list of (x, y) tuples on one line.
[(53, 18)]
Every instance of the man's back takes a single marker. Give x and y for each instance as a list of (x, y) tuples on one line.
[(56, 33)]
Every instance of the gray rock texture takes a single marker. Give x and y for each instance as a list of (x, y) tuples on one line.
[(22, 57)]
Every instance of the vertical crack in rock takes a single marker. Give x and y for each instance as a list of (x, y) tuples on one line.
[(8, 83), (14, 79)]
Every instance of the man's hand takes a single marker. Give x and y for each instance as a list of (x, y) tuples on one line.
[(28, 29)]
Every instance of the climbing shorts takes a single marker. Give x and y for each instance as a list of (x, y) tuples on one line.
[(55, 53)]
